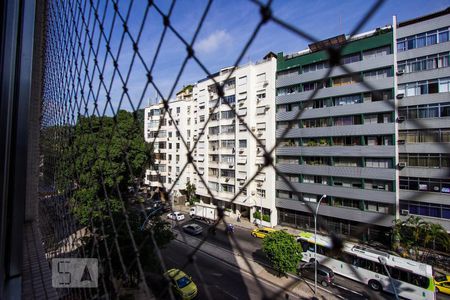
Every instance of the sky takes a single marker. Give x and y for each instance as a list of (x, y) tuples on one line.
[(226, 29)]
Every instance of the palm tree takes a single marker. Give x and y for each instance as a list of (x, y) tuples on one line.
[(416, 227), (435, 232)]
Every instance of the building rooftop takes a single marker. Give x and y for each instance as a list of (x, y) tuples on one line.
[(425, 17)]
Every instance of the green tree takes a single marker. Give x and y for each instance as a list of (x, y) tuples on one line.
[(190, 192), (283, 251), (106, 157), (436, 233)]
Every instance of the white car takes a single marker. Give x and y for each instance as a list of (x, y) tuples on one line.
[(176, 215)]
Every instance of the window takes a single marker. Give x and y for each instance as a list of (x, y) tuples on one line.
[(372, 53), (287, 73), (423, 63), (347, 162), (345, 80), (426, 209), (425, 87), (260, 95), (229, 114), (261, 193), (377, 74), (242, 143), (423, 39), (437, 110), (230, 84), (227, 129), (378, 163), (229, 99), (227, 173), (287, 90), (261, 110), (229, 159), (261, 77), (425, 160), (351, 58), (229, 144), (227, 188), (242, 80), (309, 86), (425, 136), (348, 120), (315, 67), (347, 100), (213, 130)]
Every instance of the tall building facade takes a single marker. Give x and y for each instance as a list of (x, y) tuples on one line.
[(342, 144), (226, 135), (374, 163), (168, 131), (423, 69)]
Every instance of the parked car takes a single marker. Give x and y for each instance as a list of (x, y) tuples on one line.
[(176, 215), (324, 274), (193, 229), (442, 284), (262, 232), (182, 284)]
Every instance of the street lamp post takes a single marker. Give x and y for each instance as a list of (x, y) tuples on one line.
[(315, 243)]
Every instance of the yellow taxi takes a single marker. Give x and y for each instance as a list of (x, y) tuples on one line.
[(182, 284), (262, 232), (442, 284)]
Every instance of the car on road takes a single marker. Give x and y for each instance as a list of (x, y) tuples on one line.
[(193, 229), (182, 284), (262, 232), (176, 215), (442, 284), (324, 274)]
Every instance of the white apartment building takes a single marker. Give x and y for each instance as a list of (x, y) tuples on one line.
[(227, 153), (166, 131)]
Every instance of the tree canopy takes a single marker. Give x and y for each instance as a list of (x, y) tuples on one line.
[(106, 156), (283, 251)]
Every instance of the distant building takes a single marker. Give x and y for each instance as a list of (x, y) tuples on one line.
[(423, 85), (350, 144), (227, 154)]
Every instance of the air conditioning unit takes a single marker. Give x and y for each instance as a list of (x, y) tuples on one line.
[(227, 179), (404, 212), (253, 128), (401, 142), (259, 133), (401, 119), (400, 72), (241, 151), (259, 184), (402, 164), (230, 166), (400, 96)]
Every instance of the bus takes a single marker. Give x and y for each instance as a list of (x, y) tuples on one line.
[(412, 280)]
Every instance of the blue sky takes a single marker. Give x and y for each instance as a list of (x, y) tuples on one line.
[(226, 29)]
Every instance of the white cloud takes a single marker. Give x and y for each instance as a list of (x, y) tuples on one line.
[(214, 41)]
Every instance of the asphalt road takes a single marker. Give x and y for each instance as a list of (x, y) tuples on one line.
[(219, 280), (250, 247)]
